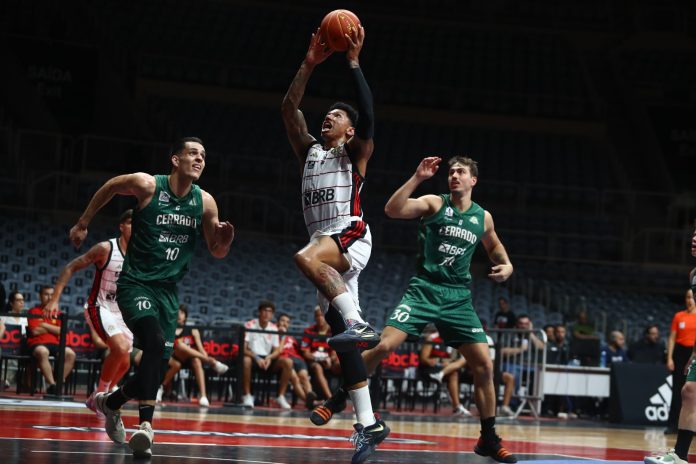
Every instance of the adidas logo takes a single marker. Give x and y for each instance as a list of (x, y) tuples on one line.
[(658, 411)]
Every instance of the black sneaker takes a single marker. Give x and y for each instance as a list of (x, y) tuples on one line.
[(360, 335), (51, 390), (494, 449), (366, 440), (322, 414)]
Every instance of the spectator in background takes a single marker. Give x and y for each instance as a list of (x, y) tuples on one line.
[(299, 376), (260, 349), (550, 332), (44, 339), (321, 359), (15, 306), (615, 350), (189, 353), (680, 345), (583, 329), (649, 349), (12, 320), (440, 362), (504, 318), (557, 348)]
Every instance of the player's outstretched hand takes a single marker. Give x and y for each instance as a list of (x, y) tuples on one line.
[(501, 272), (51, 310), (428, 167), (354, 47), (318, 49), (78, 234)]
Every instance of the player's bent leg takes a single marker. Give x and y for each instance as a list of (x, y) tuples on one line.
[(391, 339)]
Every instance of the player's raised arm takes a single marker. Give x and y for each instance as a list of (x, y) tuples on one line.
[(218, 235), (401, 206), (98, 255), (361, 145), (502, 268), (140, 185), (295, 124)]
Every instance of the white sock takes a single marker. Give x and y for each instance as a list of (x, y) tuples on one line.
[(346, 306), (363, 406)]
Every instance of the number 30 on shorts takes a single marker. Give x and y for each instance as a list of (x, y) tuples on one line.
[(401, 315)]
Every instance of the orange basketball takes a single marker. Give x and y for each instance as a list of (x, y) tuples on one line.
[(336, 25)]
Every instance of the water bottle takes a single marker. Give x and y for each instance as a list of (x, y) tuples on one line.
[(603, 359)]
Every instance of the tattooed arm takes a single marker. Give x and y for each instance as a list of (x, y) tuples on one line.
[(502, 267)]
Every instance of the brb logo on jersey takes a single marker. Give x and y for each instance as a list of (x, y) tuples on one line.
[(315, 197)]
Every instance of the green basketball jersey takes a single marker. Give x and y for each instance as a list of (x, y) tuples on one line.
[(163, 236), (447, 241)]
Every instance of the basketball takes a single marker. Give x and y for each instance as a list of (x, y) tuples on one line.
[(336, 25)]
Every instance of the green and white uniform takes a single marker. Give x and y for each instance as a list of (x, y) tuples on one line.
[(440, 291), (162, 244)]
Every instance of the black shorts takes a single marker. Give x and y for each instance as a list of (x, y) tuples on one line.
[(298, 364), (52, 349)]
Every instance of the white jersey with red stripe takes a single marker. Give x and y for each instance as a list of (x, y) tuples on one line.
[(103, 291), (331, 188)]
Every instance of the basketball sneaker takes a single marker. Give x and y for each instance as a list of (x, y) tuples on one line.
[(248, 401), (322, 414), (359, 335), (437, 376), (494, 449), (113, 423), (282, 402), (141, 441), (203, 402), (220, 368), (92, 407), (670, 457), (461, 411), (366, 440)]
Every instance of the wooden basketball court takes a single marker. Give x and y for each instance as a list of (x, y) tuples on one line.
[(37, 431)]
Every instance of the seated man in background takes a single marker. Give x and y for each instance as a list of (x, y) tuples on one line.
[(44, 339), (321, 359), (261, 350), (615, 351), (650, 349), (290, 353), (189, 353), (439, 362)]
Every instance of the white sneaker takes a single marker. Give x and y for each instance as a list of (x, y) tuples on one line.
[(506, 411), (283, 402), (113, 423), (668, 458), (160, 392), (461, 411), (437, 376), (90, 405), (220, 368), (248, 401), (562, 415), (203, 402), (141, 441)]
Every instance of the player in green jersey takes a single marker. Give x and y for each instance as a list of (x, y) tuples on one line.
[(451, 226), (172, 211)]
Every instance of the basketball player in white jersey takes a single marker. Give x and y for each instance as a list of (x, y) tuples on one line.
[(101, 310), (340, 243)]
